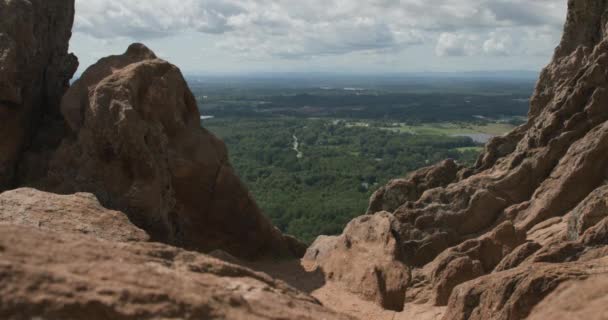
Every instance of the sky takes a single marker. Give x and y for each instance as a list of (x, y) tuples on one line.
[(343, 36)]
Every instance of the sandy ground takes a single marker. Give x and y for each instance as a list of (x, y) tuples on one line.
[(300, 276)]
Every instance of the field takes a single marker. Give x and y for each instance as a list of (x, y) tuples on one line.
[(454, 128)]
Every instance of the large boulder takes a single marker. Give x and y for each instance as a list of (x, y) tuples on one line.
[(78, 213), (35, 68), (364, 260), (138, 145), (48, 275)]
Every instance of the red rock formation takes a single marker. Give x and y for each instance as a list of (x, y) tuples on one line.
[(575, 300), (523, 233), (138, 146), (35, 68), (494, 240), (78, 213), (400, 191), (365, 260), (48, 275), (127, 131), (512, 294), (472, 259)]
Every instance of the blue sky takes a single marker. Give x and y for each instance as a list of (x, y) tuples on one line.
[(363, 36)]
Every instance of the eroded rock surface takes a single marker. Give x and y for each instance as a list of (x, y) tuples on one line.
[(79, 213), (472, 259), (522, 233), (512, 294), (495, 239), (364, 260), (399, 191), (48, 275), (35, 68), (575, 300), (137, 144)]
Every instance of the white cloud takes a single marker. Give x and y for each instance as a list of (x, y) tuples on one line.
[(499, 44), (471, 44), (153, 18), (295, 29), (456, 45), (291, 30)]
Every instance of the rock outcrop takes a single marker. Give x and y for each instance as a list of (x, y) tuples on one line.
[(35, 68), (472, 259), (492, 241), (77, 213), (50, 275), (400, 191), (364, 260), (513, 294), (128, 131), (575, 300), (137, 144)]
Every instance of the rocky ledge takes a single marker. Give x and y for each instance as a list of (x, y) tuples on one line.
[(61, 275)]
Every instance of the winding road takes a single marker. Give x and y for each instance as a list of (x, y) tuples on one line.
[(296, 147)]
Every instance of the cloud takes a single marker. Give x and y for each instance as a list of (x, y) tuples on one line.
[(290, 29), (456, 45), (499, 44), (152, 18)]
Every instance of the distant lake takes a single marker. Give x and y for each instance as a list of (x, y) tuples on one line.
[(207, 117)]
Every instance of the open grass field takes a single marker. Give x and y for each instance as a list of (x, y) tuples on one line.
[(453, 128), (471, 149)]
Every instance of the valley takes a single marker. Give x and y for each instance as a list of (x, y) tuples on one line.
[(311, 171)]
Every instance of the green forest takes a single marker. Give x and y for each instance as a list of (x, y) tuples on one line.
[(353, 135), (337, 166)]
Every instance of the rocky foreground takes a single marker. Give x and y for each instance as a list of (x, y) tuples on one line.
[(117, 205)]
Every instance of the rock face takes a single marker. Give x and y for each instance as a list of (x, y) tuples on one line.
[(78, 213), (512, 294), (400, 191), (575, 300), (47, 275), (493, 240), (472, 259), (35, 68), (365, 260), (137, 144), (128, 131)]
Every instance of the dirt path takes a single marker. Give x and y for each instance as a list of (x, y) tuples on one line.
[(300, 276), (296, 147)]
